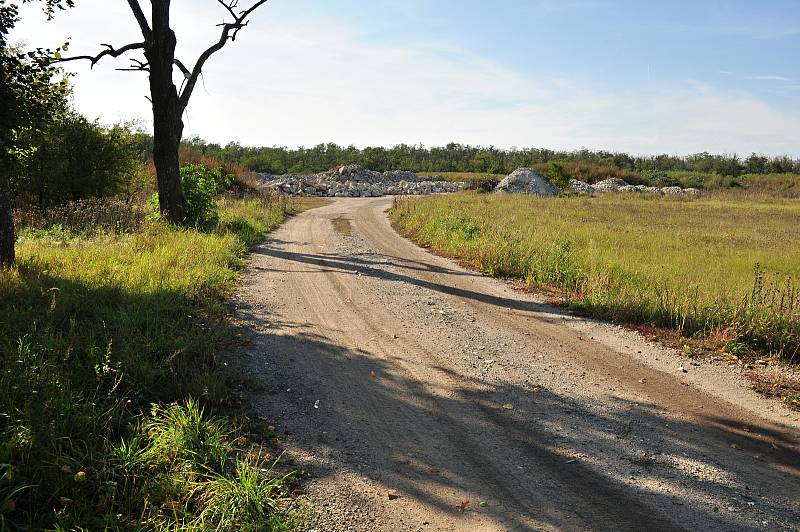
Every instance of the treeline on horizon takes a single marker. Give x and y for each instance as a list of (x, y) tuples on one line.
[(463, 158)]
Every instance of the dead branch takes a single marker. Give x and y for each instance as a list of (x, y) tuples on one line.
[(229, 31), (109, 51)]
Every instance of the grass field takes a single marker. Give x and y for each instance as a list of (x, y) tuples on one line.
[(112, 397), (723, 269)]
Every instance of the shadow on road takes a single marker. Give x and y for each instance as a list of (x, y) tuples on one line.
[(326, 263), (550, 460)]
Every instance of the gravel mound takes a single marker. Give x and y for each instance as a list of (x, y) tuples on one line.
[(580, 187), (527, 181), (355, 181), (610, 185)]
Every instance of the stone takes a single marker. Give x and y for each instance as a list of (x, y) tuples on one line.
[(610, 185), (580, 187), (527, 181), (355, 181)]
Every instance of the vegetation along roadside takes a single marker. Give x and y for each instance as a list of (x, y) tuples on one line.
[(113, 403), (719, 272)]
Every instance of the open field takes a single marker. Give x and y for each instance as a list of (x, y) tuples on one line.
[(724, 269), (93, 331)]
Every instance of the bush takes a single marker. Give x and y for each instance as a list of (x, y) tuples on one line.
[(201, 187), (659, 178), (74, 159), (558, 175)]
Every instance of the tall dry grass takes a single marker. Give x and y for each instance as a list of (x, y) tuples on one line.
[(709, 266)]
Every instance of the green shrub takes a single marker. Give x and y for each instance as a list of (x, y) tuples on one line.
[(660, 178), (723, 181), (558, 175), (201, 187)]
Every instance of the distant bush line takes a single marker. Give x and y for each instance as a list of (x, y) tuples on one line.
[(487, 160)]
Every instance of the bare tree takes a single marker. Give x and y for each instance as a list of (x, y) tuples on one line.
[(169, 101)]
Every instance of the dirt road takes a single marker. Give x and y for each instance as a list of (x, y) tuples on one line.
[(394, 372)]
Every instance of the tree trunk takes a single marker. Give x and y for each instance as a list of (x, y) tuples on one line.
[(7, 236), (167, 123)]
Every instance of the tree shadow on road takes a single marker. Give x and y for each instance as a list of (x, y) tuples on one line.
[(536, 458), (332, 262)]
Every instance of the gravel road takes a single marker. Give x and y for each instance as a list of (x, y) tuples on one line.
[(423, 396)]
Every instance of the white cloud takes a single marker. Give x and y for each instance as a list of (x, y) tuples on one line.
[(768, 78), (292, 82)]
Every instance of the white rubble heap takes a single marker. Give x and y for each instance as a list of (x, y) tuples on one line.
[(527, 181), (616, 184), (580, 187), (355, 181)]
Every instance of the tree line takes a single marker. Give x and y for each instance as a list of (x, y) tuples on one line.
[(455, 157)]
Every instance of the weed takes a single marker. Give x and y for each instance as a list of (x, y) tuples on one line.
[(342, 226), (247, 501), (96, 327)]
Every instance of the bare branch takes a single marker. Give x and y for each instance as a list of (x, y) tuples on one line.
[(229, 31), (109, 51), (136, 66), (147, 33), (229, 6), (185, 71)]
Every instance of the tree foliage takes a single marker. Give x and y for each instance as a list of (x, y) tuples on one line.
[(75, 158), (455, 157), (201, 186), (31, 99)]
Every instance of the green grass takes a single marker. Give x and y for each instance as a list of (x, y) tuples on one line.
[(709, 267), (112, 398)]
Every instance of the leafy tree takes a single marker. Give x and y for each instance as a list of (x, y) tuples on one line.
[(158, 46), (75, 158), (461, 158), (30, 101)]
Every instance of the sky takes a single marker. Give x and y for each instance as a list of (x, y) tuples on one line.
[(674, 77)]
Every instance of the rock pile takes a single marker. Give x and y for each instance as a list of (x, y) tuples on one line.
[(580, 187), (610, 185), (355, 181), (527, 181), (619, 185)]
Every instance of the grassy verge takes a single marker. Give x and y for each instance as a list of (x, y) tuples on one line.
[(110, 378), (721, 270)]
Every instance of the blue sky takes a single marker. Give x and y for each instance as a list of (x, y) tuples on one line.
[(644, 77)]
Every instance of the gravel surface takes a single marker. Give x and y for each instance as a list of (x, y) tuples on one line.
[(423, 396)]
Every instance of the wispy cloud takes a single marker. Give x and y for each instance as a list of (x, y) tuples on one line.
[(764, 30), (278, 85), (768, 78)]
